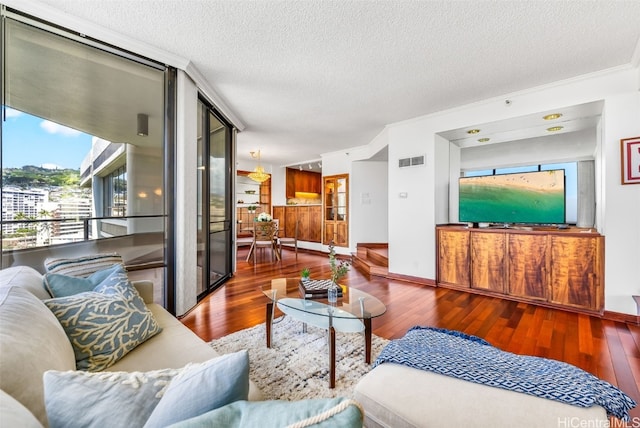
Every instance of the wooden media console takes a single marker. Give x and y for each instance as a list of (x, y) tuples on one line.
[(544, 265)]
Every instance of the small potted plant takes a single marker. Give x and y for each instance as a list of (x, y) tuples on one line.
[(339, 268), (252, 208), (305, 274)]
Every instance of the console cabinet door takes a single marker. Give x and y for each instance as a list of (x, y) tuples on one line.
[(577, 269), (453, 257), (487, 261), (527, 266)]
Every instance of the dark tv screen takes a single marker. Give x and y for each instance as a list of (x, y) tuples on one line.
[(529, 197)]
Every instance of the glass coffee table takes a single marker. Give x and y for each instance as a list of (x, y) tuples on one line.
[(352, 313)]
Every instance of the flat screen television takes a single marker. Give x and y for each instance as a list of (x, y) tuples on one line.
[(521, 198)]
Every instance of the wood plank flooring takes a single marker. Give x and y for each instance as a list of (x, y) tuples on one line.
[(608, 349)]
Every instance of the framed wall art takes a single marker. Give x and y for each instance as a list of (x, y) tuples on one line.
[(630, 156)]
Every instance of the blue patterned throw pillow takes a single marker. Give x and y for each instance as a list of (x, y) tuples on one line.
[(105, 324)]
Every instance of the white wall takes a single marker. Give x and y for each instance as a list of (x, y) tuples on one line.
[(369, 203), (350, 162), (621, 222), (412, 200), (412, 220)]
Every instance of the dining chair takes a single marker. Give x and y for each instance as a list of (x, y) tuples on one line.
[(264, 236)]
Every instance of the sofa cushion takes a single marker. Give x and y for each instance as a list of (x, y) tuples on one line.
[(398, 396), (81, 266), (320, 413), (58, 285), (105, 324), (122, 399), (175, 347), (25, 277), (32, 342), (14, 414)]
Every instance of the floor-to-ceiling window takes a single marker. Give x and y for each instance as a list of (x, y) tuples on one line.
[(84, 150), (214, 200)]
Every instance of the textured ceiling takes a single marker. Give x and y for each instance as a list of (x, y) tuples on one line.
[(310, 77)]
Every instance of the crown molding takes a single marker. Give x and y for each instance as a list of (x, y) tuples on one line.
[(207, 90), (635, 58)]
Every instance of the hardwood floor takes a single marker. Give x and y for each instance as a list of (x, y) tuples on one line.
[(608, 349)]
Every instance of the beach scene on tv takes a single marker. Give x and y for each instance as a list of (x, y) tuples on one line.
[(530, 197)]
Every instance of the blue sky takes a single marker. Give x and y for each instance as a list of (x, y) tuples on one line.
[(30, 140)]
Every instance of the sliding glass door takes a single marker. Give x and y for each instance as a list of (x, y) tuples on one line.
[(84, 152), (214, 201)]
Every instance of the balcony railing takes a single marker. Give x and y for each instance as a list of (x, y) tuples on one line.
[(32, 233)]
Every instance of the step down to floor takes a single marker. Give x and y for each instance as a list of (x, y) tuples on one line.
[(372, 259)]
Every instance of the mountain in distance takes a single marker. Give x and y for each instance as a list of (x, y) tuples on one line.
[(30, 176)]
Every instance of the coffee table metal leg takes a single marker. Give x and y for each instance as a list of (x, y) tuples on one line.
[(269, 323), (332, 357)]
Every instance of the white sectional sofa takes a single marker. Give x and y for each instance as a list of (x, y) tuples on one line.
[(32, 341), (397, 396)]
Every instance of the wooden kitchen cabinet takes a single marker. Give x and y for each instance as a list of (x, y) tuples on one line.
[(315, 223), (303, 223), (302, 181), (309, 218), (559, 268), (278, 213)]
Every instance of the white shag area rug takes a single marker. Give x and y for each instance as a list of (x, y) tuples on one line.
[(297, 364)]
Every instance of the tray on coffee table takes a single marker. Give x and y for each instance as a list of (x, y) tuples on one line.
[(316, 288)]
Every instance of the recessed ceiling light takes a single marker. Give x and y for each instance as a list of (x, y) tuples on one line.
[(552, 116), (483, 140), (473, 131), (554, 128)]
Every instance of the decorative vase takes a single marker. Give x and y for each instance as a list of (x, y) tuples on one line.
[(332, 292)]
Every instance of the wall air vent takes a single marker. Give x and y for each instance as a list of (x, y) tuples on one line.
[(412, 161), (417, 160)]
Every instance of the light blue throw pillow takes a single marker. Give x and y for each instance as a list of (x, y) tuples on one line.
[(105, 324), (117, 399), (319, 413), (128, 399), (63, 285), (201, 388)]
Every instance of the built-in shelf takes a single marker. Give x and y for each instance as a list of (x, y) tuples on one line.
[(261, 199)]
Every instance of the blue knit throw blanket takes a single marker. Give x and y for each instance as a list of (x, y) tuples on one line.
[(473, 359)]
